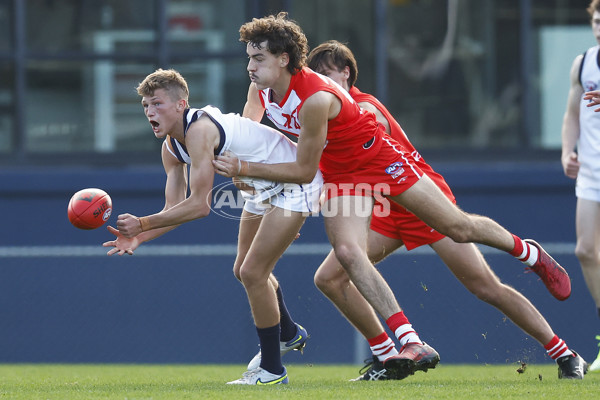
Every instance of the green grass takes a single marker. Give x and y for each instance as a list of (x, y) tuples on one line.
[(118, 381)]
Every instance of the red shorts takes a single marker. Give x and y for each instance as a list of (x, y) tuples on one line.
[(389, 173), (405, 226), (398, 223)]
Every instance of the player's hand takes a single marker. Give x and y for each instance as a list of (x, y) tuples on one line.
[(121, 244), (228, 165), (571, 165), (129, 225), (594, 98)]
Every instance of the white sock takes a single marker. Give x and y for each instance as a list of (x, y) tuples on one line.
[(384, 350), (406, 334), (529, 255)]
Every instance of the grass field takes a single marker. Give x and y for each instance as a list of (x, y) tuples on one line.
[(116, 381)]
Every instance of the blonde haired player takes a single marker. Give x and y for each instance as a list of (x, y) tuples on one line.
[(271, 218)]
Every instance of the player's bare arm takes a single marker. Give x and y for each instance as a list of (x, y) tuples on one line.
[(175, 192), (313, 117), (365, 105), (253, 108), (200, 141), (570, 127)]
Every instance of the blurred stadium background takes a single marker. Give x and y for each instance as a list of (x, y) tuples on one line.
[(479, 86)]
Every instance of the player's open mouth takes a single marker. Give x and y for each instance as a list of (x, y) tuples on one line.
[(154, 124)]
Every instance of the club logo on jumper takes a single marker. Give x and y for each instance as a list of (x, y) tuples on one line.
[(291, 121), (590, 85), (416, 155)]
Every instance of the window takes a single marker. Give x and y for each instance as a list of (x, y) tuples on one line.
[(486, 76)]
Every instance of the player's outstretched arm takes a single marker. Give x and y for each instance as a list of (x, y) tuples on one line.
[(201, 139)]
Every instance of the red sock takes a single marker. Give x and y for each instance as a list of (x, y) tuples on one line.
[(403, 330), (557, 348), (524, 252), (382, 346), (517, 251), (397, 320)]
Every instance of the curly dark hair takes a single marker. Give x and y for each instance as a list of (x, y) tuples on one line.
[(282, 35), (594, 6), (334, 54)]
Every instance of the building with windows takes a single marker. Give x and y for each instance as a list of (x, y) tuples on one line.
[(487, 76)]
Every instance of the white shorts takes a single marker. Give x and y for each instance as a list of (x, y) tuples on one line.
[(587, 193), (293, 197)]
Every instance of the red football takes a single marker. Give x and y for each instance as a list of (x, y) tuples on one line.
[(89, 208)]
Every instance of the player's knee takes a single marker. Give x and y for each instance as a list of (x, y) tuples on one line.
[(482, 292), (459, 231), (586, 255), (320, 279), (460, 227), (347, 254), (328, 279), (250, 276), (236, 270), (322, 283), (490, 291), (236, 273)]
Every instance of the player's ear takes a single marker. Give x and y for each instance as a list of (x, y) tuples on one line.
[(181, 105), (284, 60), (346, 72)]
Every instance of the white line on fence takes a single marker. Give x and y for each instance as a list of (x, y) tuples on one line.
[(297, 249)]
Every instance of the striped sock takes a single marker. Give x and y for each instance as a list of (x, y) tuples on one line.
[(557, 348), (403, 330), (382, 346), (524, 252)]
